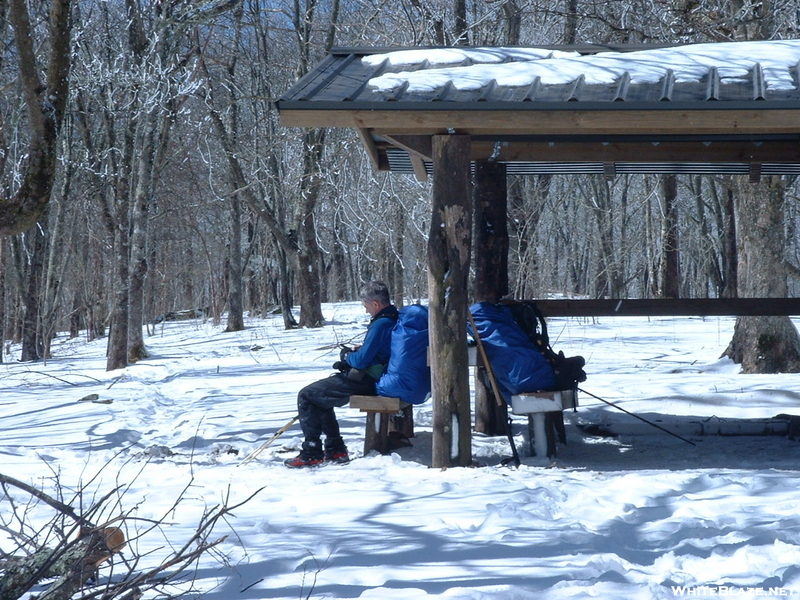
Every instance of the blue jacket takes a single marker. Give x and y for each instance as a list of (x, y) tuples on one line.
[(373, 356)]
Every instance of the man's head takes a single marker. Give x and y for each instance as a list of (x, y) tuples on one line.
[(375, 297)]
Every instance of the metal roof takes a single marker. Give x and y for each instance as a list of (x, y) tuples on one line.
[(664, 126)]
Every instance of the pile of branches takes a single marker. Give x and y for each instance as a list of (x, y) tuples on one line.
[(90, 552)]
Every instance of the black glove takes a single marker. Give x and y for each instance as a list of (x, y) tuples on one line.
[(344, 352), (342, 366)]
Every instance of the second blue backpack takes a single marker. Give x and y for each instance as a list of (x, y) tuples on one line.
[(408, 375)]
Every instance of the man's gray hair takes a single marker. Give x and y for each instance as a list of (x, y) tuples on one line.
[(375, 290)]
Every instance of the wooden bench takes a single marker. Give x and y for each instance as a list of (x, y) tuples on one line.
[(545, 418), (385, 416)]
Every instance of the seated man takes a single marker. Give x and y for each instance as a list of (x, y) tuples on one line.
[(359, 370)]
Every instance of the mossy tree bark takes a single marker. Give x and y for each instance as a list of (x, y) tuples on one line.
[(449, 249)]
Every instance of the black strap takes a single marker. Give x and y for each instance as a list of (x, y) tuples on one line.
[(514, 453)]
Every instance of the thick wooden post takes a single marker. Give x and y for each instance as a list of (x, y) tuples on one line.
[(491, 232), (491, 276), (449, 249)]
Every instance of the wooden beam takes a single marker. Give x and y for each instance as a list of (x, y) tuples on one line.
[(532, 120), (670, 307), (419, 148), (415, 145), (642, 151), (449, 250), (372, 151), (755, 172), (420, 172)]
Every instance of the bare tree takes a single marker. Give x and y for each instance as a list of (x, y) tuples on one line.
[(45, 103)]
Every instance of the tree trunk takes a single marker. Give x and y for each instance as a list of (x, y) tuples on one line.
[(513, 16), (491, 277), (2, 298), (59, 252), (526, 200), (117, 357), (138, 241), (308, 255), (31, 322), (670, 263), (395, 247), (309, 290), (236, 288), (285, 289), (45, 102), (730, 260), (449, 248), (338, 271), (571, 22), (462, 32), (765, 344)]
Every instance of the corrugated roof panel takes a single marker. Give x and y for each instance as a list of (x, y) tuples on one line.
[(712, 84), (345, 76), (623, 85), (330, 80), (487, 92), (341, 83), (666, 86), (759, 86)]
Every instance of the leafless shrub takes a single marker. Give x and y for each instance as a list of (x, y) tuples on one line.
[(87, 545)]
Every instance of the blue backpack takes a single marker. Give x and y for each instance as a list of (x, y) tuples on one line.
[(408, 375), (518, 365)]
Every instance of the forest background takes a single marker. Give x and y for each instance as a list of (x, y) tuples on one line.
[(144, 171)]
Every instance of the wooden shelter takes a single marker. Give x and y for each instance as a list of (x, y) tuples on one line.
[(731, 118)]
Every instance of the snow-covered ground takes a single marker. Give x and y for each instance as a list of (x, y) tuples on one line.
[(625, 511)]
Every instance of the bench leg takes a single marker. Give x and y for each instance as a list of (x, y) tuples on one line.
[(376, 434), (542, 430), (558, 425), (538, 433), (403, 422)]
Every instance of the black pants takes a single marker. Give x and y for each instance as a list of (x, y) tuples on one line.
[(315, 404)]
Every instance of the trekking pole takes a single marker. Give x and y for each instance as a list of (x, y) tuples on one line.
[(637, 416), (266, 444), (495, 388), (482, 350)]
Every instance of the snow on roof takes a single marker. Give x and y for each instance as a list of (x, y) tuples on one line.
[(516, 67)]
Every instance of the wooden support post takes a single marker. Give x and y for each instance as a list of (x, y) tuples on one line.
[(491, 276), (449, 250)]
